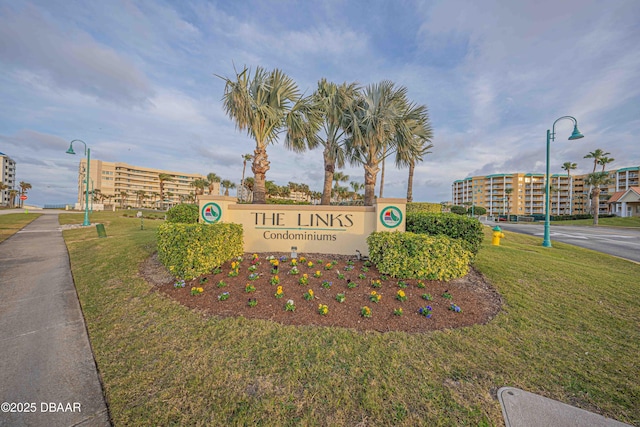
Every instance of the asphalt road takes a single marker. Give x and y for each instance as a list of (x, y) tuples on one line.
[(620, 242)]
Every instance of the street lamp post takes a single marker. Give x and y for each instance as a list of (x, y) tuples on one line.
[(87, 152), (551, 136)]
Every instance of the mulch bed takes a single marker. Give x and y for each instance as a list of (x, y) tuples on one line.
[(478, 300)]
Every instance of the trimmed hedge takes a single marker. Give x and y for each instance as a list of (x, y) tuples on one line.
[(455, 226), (183, 213), (424, 207), (410, 255), (190, 250)]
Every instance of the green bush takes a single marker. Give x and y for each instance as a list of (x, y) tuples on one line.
[(410, 255), (424, 207), (183, 213), (452, 225), (477, 210), (286, 202), (190, 250), (459, 210)]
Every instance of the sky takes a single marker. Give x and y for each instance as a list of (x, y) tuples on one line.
[(138, 82)]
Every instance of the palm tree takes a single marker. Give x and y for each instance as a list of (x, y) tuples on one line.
[(3, 187), (604, 161), (24, 187), (245, 159), (333, 103), (569, 166), (412, 165), (227, 184), (264, 105), (508, 192), (12, 197), (356, 187), (123, 198), (140, 194), (595, 180), (199, 185), (596, 156), (211, 179), (163, 177), (383, 118)]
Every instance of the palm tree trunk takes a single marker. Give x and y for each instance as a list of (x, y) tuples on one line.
[(412, 166), (596, 204), (329, 169), (260, 167), (244, 167), (382, 176), (370, 172)]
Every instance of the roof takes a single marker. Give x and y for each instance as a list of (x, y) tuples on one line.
[(629, 169), (622, 194), (616, 196)]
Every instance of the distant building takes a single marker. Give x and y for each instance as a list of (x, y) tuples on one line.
[(122, 185), (523, 193), (7, 177)]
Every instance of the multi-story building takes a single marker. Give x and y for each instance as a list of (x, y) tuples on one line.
[(523, 193), (124, 185), (7, 178)]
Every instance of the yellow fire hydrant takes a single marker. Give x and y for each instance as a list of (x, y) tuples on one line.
[(497, 235)]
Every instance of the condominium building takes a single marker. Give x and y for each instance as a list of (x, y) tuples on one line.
[(124, 185), (7, 178), (523, 193)]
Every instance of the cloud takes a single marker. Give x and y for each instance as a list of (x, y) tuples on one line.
[(69, 58)]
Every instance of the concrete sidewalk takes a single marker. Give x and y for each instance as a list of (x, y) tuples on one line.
[(48, 376)]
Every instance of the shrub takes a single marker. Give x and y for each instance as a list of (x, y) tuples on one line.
[(190, 250), (183, 213), (477, 210), (424, 207), (455, 226), (410, 255), (459, 210)]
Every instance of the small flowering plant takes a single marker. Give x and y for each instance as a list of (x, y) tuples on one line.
[(274, 266), (326, 284), (221, 284), (254, 257), (427, 297), (223, 296), (249, 288), (323, 309), (253, 276), (294, 271), (375, 297), (362, 276), (202, 280), (308, 295), (402, 284), (365, 311), (341, 297), (401, 296), (252, 268), (303, 259), (367, 263), (179, 284), (252, 302), (398, 311), (294, 262), (348, 268), (304, 280), (350, 262), (318, 273), (196, 291), (426, 311), (310, 264), (340, 275), (279, 293), (275, 280), (455, 308), (290, 306), (351, 284), (365, 269), (447, 295), (376, 283), (328, 266), (420, 284), (233, 273)]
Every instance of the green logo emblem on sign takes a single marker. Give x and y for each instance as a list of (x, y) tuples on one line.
[(211, 213), (391, 217)]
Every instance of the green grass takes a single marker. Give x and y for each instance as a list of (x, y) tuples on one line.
[(10, 224), (569, 331), (609, 222)]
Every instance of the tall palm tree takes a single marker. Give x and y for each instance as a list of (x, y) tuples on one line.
[(245, 159), (227, 184), (163, 177), (383, 118), (508, 192), (596, 155), (140, 195), (24, 188), (569, 166), (3, 187), (333, 102), (339, 177), (595, 180), (123, 198), (264, 105), (212, 178), (603, 161), (12, 197), (356, 187), (412, 164)]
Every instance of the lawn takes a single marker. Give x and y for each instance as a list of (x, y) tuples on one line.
[(10, 224), (568, 331), (608, 222)]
